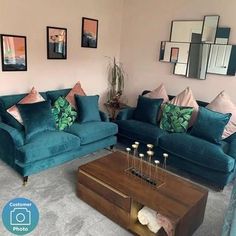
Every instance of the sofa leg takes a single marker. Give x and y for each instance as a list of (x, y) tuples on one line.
[(25, 180)]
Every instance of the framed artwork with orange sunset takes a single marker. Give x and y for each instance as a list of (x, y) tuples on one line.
[(14, 53), (89, 33)]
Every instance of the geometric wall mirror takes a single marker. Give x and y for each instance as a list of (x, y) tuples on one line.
[(198, 47)]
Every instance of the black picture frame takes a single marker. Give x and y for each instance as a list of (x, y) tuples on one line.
[(56, 43), (13, 52), (89, 35)]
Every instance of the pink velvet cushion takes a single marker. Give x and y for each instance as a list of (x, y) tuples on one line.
[(223, 104), (159, 92), (32, 97), (186, 99), (76, 90)]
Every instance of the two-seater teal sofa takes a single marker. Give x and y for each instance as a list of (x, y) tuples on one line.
[(215, 163), (49, 148)]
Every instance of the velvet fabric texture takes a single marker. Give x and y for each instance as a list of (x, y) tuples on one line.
[(53, 95), (37, 117), (147, 109), (87, 108), (138, 130), (89, 132), (47, 144), (187, 147), (210, 125), (175, 118)]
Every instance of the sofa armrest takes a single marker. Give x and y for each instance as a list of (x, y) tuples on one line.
[(104, 116), (126, 114), (232, 149), (16, 136)]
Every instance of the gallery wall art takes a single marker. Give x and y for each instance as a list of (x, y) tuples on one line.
[(89, 33), (14, 53), (56, 43)]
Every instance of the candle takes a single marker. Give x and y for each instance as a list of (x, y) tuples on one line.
[(150, 146)]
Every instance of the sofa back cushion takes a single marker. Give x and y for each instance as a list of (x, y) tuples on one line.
[(8, 101), (53, 95), (147, 109)]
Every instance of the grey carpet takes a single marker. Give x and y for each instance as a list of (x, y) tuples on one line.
[(63, 214)]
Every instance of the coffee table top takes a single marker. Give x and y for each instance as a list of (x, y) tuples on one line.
[(173, 199)]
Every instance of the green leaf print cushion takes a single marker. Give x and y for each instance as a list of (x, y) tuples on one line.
[(175, 118), (63, 113)]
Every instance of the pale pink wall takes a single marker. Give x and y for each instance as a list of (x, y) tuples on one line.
[(30, 18), (147, 23)]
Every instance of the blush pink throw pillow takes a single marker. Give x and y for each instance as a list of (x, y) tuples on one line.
[(223, 104), (77, 89), (32, 97), (159, 92), (186, 99)]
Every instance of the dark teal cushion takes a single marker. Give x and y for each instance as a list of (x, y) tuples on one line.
[(90, 132), (64, 114), (175, 118), (87, 108), (53, 95), (37, 117), (47, 144), (210, 125), (140, 131), (147, 109), (197, 151)]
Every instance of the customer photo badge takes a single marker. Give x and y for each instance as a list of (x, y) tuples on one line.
[(20, 216)]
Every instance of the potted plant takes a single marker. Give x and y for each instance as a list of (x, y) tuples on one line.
[(115, 82)]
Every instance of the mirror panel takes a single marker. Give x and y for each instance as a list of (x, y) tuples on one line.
[(222, 35), (171, 49), (190, 27), (209, 29), (180, 69), (197, 62), (222, 59)]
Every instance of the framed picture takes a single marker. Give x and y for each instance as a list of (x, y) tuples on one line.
[(56, 43), (14, 55), (174, 53), (89, 33)]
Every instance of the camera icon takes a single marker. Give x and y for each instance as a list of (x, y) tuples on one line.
[(20, 216)]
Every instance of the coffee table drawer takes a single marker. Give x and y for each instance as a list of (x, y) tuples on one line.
[(109, 193), (104, 206)]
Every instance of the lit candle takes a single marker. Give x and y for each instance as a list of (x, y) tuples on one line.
[(150, 146), (128, 151)]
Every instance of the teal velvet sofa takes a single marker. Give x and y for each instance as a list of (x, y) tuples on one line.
[(212, 162), (50, 148)]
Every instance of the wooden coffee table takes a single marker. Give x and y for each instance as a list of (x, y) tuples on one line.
[(105, 185)]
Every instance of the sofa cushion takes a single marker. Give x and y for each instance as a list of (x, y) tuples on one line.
[(147, 109), (159, 92), (53, 95), (47, 144), (140, 131), (76, 90), (87, 108), (175, 118), (198, 151), (90, 132), (64, 114), (37, 117), (210, 125), (33, 97)]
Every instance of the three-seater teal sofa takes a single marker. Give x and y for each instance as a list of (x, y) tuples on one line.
[(49, 148), (212, 162)]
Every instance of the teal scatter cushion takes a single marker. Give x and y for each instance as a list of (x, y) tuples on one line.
[(53, 95), (147, 109), (175, 118), (37, 117), (210, 125), (64, 114), (87, 108)]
